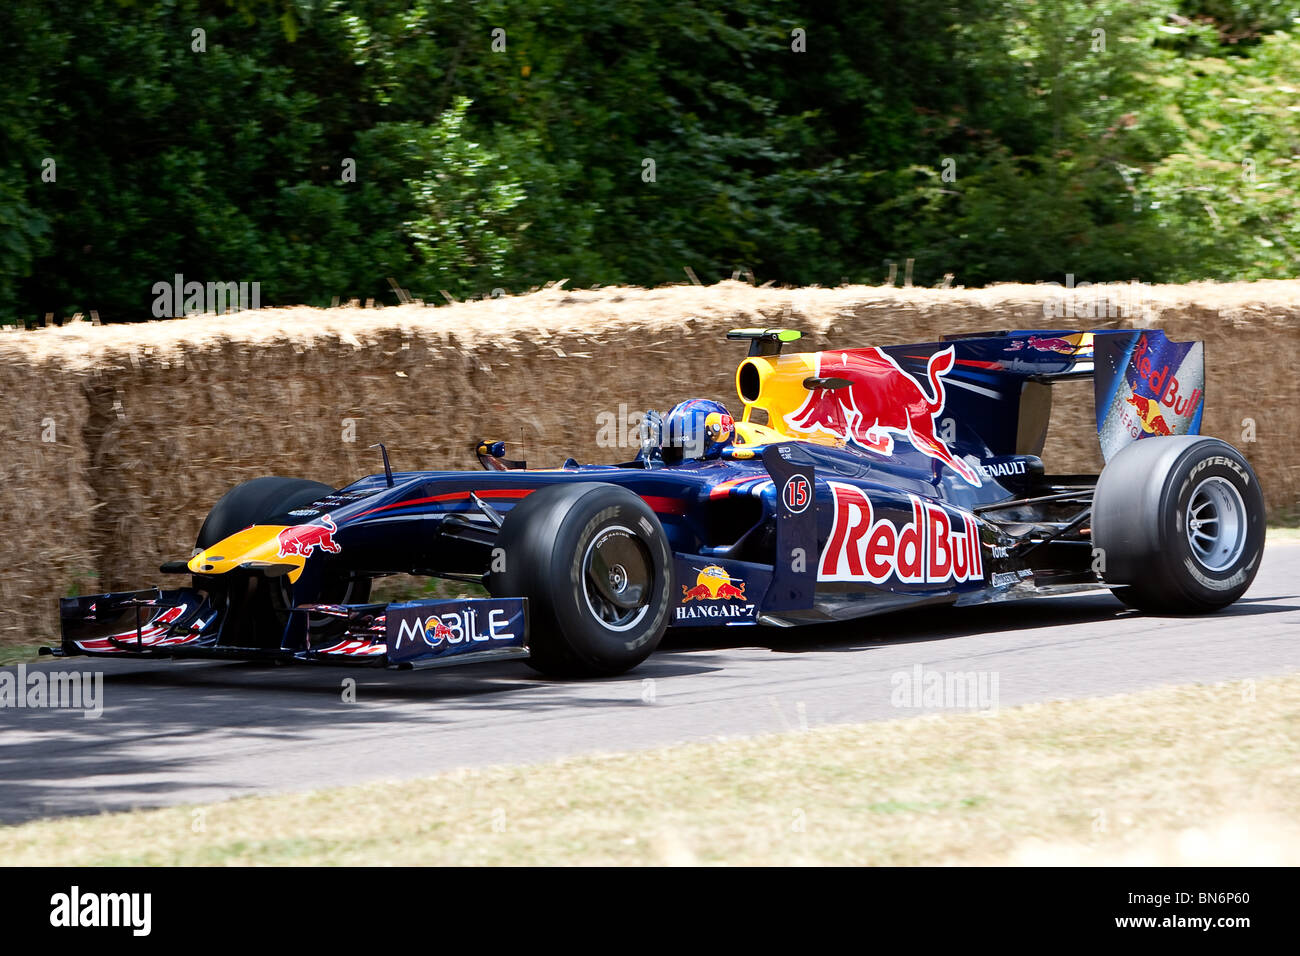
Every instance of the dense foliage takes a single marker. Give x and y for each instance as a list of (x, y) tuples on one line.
[(992, 139)]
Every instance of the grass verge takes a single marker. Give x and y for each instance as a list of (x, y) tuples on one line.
[(1197, 774), (19, 653)]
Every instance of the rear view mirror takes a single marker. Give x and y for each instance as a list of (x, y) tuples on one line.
[(817, 382)]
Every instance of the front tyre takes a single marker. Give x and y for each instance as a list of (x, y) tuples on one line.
[(1180, 523), (256, 501), (267, 601), (594, 563)]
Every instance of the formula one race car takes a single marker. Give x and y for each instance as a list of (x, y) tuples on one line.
[(856, 481)]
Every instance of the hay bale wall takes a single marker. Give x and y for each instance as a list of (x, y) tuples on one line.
[(46, 499), (153, 422)]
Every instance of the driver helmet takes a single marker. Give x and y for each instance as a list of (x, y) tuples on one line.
[(696, 428)]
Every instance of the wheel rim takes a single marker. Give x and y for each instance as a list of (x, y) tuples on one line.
[(1215, 524), (616, 577)]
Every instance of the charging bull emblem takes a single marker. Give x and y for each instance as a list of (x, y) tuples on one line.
[(1153, 422), (435, 632), (1054, 344), (882, 401), (714, 584), (303, 539)]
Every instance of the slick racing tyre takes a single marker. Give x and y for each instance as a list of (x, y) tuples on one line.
[(269, 501), (257, 501), (1180, 522), (595, 565)]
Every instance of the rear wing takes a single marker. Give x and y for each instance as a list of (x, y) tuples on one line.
[(1143, 383)]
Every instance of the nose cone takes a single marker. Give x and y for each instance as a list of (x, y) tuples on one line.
[(256, 547)]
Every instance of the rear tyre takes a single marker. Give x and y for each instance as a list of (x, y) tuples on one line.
[(594, 563), (1180, 523), (269, 501)]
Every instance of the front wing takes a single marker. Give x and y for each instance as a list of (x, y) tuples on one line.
[(161, 623)]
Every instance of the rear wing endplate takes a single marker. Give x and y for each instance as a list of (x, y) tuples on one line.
[(1146, 385)]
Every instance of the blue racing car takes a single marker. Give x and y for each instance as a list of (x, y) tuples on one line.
[(855, 481)]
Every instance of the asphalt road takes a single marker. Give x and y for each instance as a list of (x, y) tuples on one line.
[(197, 732)]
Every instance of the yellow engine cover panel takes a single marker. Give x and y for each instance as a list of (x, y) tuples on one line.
[(774, 384)]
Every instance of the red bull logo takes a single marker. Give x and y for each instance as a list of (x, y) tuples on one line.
[(719, 426), (1147, 386), (1148, 412), (714, 584), (1049, 344), (937, 546), (435, 632), (303, 539), (882, 402)]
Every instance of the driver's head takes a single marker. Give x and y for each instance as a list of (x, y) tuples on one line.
[(696, 428)]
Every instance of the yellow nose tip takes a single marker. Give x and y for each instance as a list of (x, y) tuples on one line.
[(258, 546)]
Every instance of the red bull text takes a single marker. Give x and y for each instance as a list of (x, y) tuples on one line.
[(1163, 383), (1161, 392), (937, 546)]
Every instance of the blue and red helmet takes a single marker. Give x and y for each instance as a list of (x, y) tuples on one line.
[(696, 428)]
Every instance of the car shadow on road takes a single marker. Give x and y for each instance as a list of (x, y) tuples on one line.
[(163, 722), (943, 623)]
